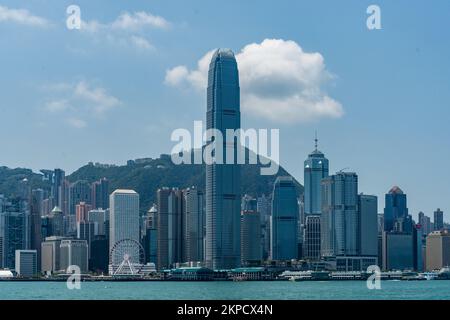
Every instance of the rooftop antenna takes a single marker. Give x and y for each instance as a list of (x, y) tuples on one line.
[(342, 170), (316, 140)]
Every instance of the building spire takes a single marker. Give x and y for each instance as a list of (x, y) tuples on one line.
[(315, 141)]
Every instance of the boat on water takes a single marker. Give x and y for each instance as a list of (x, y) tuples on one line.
[(427, 276)]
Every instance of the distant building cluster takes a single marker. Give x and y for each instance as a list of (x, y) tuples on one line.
[(330, 226)]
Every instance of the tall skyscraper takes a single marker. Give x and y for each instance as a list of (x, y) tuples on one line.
[(311, 244), (99, 217), (170, 225), (37, 196), (58, 190), (86, 231), (223, 180), (56, 223), (81, 211), (263, 207), (284, 219), (150, 235), (316, 167), (194, 225), (438, 220), (339, 218), (14, 230), (251, 251), (368, 225), (401, 237), (396, 211), (426, 224), (79, 191), (124, 226), (100, 194)]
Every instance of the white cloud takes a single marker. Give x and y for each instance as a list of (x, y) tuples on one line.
[(139, 20), (141, 43), (127, 30), (92, 26), (99, 99), (278, 80), (21, 16), (176, 76), (76, 123), (74, 101), (57, 105)]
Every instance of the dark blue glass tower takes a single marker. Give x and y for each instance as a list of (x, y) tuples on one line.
[(396, 216), (223, 200), (284, 220)]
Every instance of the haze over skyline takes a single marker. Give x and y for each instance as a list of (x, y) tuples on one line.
[(117, 88)]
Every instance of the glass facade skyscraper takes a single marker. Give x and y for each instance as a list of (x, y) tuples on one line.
[(284, 219), (438, 220), (316, 167), (339, 219), (223, 199), (396, 211)]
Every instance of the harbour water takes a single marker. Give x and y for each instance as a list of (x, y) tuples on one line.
[(227, 290)]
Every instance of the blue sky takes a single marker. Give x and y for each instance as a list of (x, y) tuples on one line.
[(101, 93)]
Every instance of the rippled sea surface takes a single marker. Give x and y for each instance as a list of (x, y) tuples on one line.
[(279, 290)]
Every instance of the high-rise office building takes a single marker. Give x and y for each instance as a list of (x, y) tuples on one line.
[(368, 225), (86, 231), (124, 226), (398, 251), (99, 217), (284, 219), (79, 191), (81, 211), (74, 253), (194, 225), (401, 243), (396, 217), (37, 196), (58, 189), (14, 230), (56, 223), (418, 248), (426, 224), (170, 226), (438, 220), (99, 251), (26, 263), (150, 235), (100, 194), (316, 167), (263, 207), (223, 180), (339, 218), (251, 251), (438, 250), (311, 243), (50, 255)]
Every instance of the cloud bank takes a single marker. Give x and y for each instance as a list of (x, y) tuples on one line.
[(75, 102), (21, 16), (127, 29), (279, 82)]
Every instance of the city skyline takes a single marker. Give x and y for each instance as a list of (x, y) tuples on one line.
[(71, 84)]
